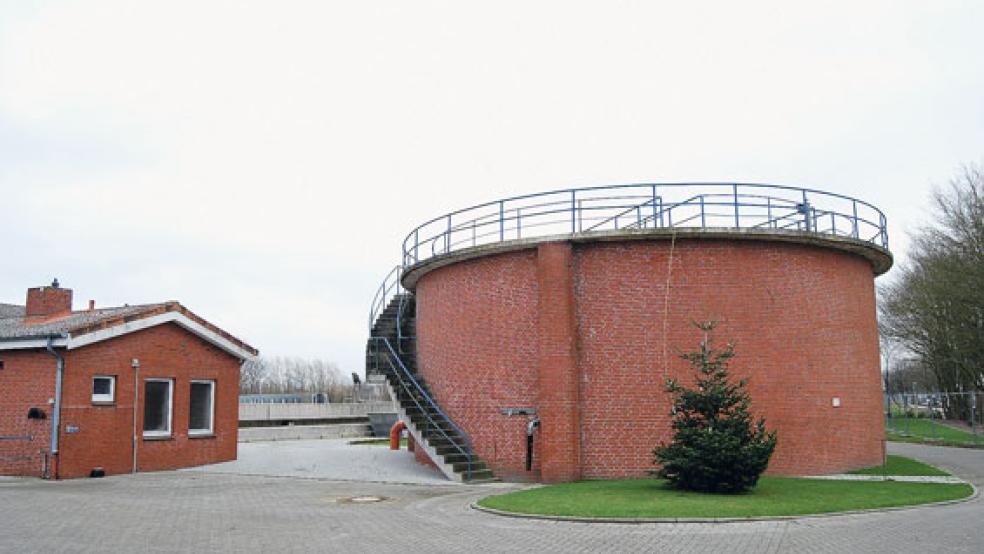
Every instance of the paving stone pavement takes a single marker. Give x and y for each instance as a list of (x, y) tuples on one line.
[(189, 511), (335, 459)]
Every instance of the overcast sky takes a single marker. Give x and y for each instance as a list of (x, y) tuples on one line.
[(261, 162)]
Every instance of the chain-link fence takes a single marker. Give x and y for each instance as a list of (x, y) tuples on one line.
[(947, 418)]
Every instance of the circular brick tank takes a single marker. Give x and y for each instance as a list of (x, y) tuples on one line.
[(574, 307), (586, 330)]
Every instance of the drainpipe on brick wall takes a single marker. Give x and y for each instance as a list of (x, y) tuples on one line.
[(56, 409), (135, 364), (530, 427)]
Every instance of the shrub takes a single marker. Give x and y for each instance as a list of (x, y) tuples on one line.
[(716, 446)]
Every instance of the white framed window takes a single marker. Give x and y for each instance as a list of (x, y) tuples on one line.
[(158, 407), (103, 388), (201, 408)]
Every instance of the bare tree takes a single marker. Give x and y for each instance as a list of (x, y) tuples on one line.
[(251, 376), (935, 305), (288, 375)]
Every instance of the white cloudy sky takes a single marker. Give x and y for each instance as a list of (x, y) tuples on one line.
[(262, 161)]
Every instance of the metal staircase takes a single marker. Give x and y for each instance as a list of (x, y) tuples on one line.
[(391, 352)]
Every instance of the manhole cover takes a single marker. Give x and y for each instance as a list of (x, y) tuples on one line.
[(362, 499)]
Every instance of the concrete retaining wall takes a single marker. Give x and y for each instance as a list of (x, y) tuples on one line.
[(272, 412), (302, 432)]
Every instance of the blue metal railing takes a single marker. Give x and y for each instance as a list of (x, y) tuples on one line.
[(390, 287), (415, 392), (647, 206)]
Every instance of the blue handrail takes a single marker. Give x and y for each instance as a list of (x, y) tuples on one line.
[(413, 389), (390, 287), (647, 205)]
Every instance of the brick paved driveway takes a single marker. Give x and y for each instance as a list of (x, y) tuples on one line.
[(206, 512), (334, 459)]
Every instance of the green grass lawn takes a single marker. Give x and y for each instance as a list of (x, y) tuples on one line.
[(774, 496), (900, 465), (923, 430)]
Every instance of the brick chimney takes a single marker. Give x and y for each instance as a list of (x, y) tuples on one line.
[(48, 301)]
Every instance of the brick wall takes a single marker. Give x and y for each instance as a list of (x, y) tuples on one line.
[(477, 347), (27, 381), (802, 318), (105, 432)]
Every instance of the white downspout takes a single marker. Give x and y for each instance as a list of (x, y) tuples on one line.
[(56, 409), (135, 364)]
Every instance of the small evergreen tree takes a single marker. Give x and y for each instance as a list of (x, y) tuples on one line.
[(716, 446)]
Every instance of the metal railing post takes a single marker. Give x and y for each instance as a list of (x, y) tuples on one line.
[(703, 220), (734, 190), (884, 230), (519, 224), (806, 212), (447, 237), (973, 414), (502, 221), (654, 206), (573, 211), (854, 208)]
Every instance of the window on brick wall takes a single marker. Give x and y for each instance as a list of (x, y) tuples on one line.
[(158, 406), (103, 388), (201, 408)]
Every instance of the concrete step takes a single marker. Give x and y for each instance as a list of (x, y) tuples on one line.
[(456, 457), (440, 433), (482, 476), (461, 467), (448, 449)]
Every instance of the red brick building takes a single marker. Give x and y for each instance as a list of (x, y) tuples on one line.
[(114, 390), (544, 327)]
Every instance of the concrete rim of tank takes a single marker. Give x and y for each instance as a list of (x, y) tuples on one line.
[(879, 258)]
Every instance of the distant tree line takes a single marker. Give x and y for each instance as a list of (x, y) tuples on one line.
[(288, 375), (931, 315)]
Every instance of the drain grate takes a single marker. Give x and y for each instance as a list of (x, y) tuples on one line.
[(362, 499)]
